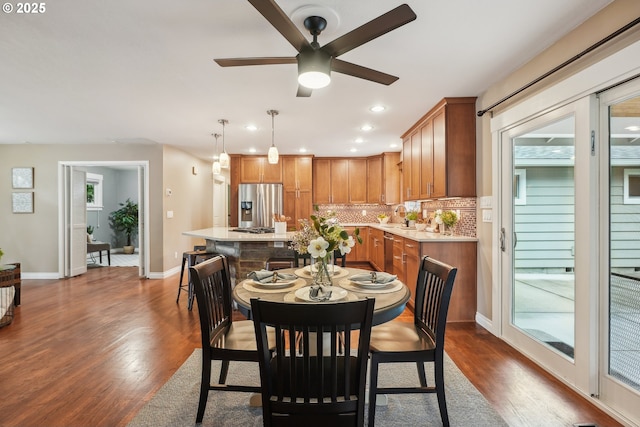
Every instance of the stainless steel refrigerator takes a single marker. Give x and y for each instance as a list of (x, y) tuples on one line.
[(258, 204)]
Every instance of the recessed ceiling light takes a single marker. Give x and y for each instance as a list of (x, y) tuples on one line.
[(359, 140), (377, 108), (303, 150), (251, 128), (633, 128), (366, 128), (353, 150), (252, 150), (393, 145)]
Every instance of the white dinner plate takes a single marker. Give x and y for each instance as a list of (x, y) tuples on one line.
[(337, 293), (370, 285), (276, 285)]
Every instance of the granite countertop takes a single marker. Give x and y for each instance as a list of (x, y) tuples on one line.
[(419, 236), (222, 234), (225, 234)]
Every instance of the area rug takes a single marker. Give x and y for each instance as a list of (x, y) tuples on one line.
[(176, 402)]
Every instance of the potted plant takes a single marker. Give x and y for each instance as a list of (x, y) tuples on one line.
[(90, 232), (411, 217), (449, 220), (125, 219)]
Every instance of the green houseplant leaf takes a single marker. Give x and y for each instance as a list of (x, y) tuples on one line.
[(125, 219)]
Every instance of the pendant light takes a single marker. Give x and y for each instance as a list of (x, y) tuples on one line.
[(272, 155), (215, 168), (224, 157)]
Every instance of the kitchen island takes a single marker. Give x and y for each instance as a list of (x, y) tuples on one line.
[(246, 251)]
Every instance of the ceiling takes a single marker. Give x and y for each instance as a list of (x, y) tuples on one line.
[(142, 72)]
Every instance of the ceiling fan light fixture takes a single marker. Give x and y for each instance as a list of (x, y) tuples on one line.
[(272, 155), (314, 69)]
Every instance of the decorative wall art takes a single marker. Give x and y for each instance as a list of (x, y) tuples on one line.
[(22, 202), (22, 177)]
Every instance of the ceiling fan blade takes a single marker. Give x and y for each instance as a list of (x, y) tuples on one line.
[(391, 20), (303, 91), (239, 62), (281, 22), (354, 70)]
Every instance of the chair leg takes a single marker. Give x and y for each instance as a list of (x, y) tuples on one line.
[(373, 386), (204, 389), (191, 291), (181, 276), (439, 379), (224, 370), (421, 374)]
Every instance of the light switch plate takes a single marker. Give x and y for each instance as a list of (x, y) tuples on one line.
[(486, 201), (487, 215)]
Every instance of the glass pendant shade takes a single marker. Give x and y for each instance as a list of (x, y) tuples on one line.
[(216, 168), (224, 160), (273, 155)]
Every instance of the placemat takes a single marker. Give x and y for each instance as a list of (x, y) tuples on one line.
[(394, 286), (250, 286)]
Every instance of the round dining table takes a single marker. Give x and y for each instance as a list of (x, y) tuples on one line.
[(390, 299)]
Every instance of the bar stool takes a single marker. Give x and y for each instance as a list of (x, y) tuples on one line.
[(191, 258)]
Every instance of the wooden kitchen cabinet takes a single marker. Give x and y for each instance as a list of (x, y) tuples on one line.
[(359, 252), (376, 248), (461, 255), (255, 169), (411, 250), (339, 180), (439, 152), (399, 267), (383, 179), (357, 171), (297, 183)]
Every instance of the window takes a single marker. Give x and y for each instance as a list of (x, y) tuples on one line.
[(632, 186), (94, 192)]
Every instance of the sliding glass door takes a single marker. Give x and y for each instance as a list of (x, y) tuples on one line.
[(620, 278), (544, 200)]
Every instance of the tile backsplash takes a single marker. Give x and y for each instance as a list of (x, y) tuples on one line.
[(466, 226)]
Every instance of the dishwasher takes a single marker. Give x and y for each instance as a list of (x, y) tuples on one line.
[(388, 252)]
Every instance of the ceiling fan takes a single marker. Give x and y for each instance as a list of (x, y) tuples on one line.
[(314, 62)]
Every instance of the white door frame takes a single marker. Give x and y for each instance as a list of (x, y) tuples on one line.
[(143, 184)]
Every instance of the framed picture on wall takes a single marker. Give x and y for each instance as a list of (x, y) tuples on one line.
[(22, 177), (22, 202)]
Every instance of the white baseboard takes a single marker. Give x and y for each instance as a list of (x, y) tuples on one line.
[(39, 276)]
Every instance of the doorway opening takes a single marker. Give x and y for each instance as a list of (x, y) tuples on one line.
[(107, 186)]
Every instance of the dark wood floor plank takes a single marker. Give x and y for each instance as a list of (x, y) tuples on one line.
[(92, 350)]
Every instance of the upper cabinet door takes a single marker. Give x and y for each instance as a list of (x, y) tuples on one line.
[(357, 180), (322, 181), (416, 165), (250, 170), (271, 173), (375, 193), (339, 177)]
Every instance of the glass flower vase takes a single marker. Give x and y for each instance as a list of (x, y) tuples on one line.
[(322, 270)]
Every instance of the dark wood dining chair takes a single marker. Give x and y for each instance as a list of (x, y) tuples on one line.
[(222, 338), (421, 341), (307, 381)]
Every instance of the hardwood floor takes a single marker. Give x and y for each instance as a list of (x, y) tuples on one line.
[(92, 350)]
